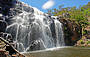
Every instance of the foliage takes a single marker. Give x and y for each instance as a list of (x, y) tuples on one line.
[(77, 15), (76, 20), (81, 41), (88, 42), (85, 32)]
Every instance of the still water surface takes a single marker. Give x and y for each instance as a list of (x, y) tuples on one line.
[(61, 52)]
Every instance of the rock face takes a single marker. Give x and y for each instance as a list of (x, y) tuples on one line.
[(3, 26), (70, 32), (32, 28), (6, 11), (5, 6)]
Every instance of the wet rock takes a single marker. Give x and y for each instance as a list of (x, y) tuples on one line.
[(52, 26), (1, 18), (7, 37), (1, 34), (35, 45), (6, 5), (70, 33), (3, 26), (11, 8)]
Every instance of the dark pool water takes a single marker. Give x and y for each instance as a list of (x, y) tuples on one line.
[(61, 52)]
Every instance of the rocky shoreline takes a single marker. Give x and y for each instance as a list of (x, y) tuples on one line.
[(83, 42)]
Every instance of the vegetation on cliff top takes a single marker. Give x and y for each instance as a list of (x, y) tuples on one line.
[(78, 17)]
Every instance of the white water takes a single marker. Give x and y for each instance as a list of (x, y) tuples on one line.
[(35, 30)]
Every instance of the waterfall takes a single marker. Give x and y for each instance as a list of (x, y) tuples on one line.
[(34, 30)]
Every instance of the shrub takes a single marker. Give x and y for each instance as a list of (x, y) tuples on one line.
[(88, 42), (81, 41)]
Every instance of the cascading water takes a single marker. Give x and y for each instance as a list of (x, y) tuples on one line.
[(34, 30)]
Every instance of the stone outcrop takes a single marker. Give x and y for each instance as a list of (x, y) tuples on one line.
[(70, 33)]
